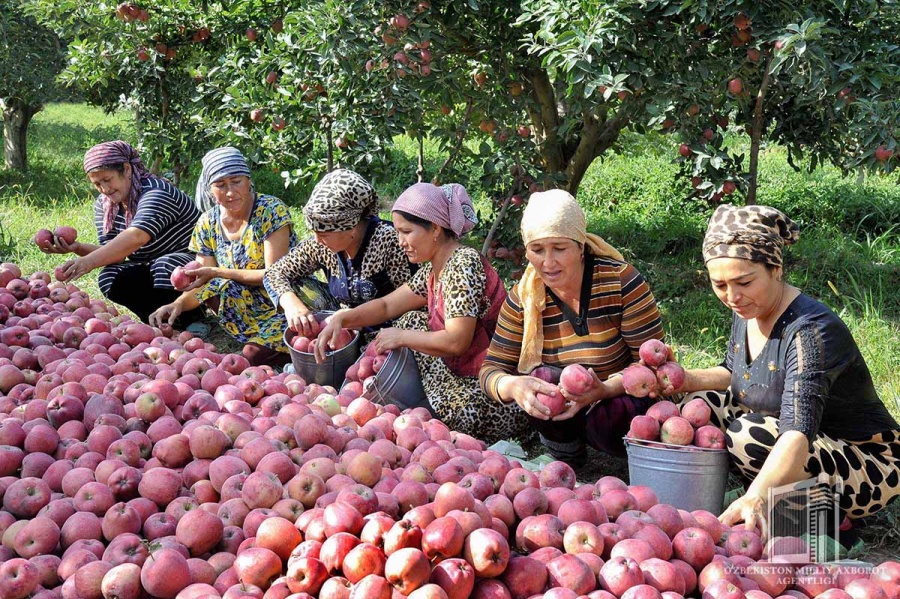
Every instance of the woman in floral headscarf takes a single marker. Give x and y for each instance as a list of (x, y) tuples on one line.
[(357, 251), (463, 295), (144, 224), (241, 234)]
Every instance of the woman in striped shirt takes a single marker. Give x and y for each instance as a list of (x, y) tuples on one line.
[(144, 225), (577, 303)]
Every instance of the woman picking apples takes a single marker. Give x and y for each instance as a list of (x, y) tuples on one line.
[(144, 224), (462, 294), (358, 252), (577, 303), (235, 241), (793, 395)]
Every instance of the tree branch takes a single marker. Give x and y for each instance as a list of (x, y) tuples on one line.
[(460, 136)]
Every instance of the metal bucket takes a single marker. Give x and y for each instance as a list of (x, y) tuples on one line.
[(330, 372), (688, 478), (399, 382)]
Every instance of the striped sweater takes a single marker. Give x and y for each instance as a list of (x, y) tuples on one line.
[(619, 315)]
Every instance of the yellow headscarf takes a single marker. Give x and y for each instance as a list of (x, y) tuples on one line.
[(553, 213)]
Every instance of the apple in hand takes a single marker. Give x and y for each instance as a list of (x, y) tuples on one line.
[(654, 353), (67, 234), (639, 381)]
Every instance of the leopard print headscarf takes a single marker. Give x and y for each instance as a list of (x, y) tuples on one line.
[(339, 201), (755, 233)]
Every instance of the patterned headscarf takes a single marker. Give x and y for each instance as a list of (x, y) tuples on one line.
[(112, 154), (553, 213), (447, 206), (339, 201), (218, 164), (755, 233)]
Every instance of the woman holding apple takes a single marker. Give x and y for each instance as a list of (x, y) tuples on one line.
[(578, 302), (357, 251), (462, 294), (144, 224), (235, 240), (793, 394)]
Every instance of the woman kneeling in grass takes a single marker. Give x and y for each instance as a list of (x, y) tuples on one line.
[(793, 394)]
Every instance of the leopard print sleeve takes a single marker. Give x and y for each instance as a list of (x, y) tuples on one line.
[(418, 283), (396, 263), (305, 259), (463, 281)]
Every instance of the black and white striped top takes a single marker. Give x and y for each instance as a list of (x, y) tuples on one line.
[(165, 213)]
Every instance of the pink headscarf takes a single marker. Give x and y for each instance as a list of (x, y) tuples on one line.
[(110, 154), (447, 206)]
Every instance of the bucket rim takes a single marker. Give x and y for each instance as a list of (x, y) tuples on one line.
[(320, 316), (671, 446)]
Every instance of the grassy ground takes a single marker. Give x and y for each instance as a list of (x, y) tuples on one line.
[(848, 256)]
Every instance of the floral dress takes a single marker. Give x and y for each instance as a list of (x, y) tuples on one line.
[(246, 313)]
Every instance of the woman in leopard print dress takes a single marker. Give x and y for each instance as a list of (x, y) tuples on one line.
[(463, 295), (794, 395), (357, 251)]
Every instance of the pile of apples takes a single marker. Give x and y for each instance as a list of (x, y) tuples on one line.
[(137, 463), (663, 422), (658, 371), (361, 374)]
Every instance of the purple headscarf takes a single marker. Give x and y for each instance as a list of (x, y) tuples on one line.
[(110, 154), (447, 206)]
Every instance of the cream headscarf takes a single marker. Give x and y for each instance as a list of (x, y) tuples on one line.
[(553, 213)]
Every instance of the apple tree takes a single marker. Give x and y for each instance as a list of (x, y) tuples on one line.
[(820, 78), (31, 56)]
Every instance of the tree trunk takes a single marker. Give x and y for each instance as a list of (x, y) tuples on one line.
[(420, 167), (756, 133), (596, 139), (16, 117)]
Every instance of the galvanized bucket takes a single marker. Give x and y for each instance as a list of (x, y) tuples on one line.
[(330, 372), (399, 382), (689, 478)]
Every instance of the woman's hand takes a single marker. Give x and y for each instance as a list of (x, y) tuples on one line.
[(328, 336), (299, 317), (523, 390), (59, 246), (388, 339), (200, 277), (165, 315), (72, 270), (575, 403), (749, 509)]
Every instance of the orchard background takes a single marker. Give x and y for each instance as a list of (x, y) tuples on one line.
[(652, 112)]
